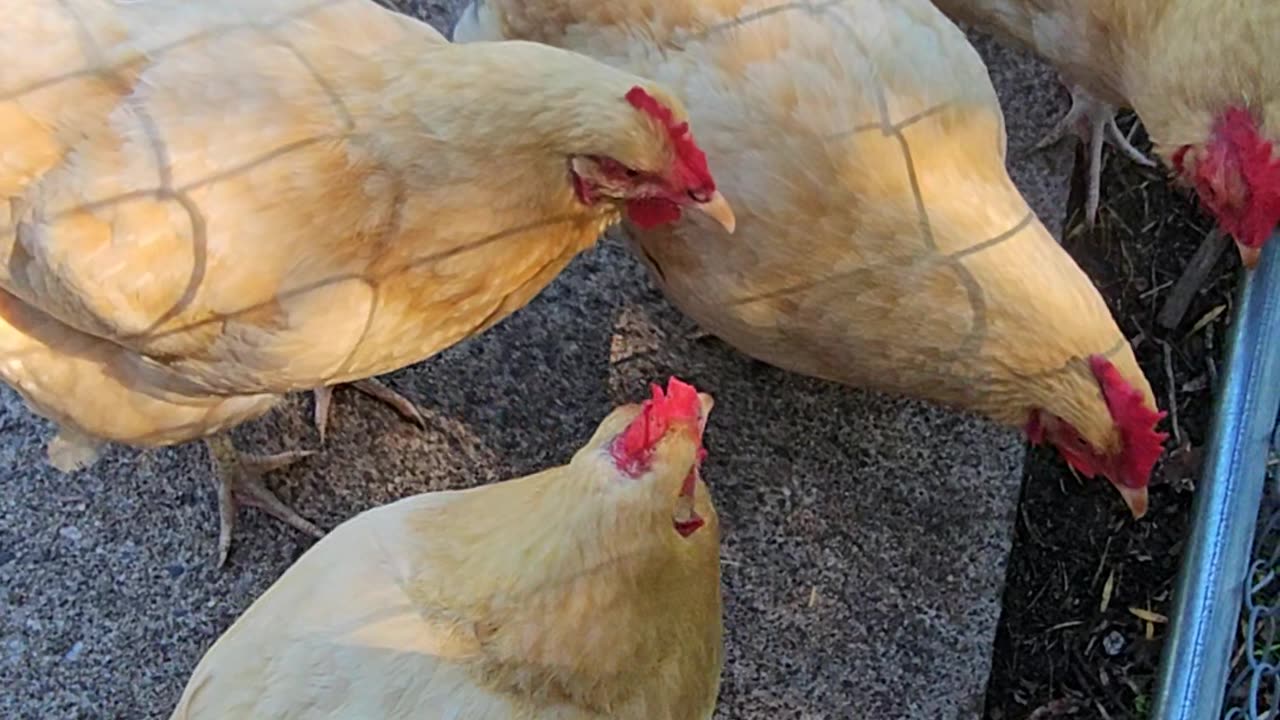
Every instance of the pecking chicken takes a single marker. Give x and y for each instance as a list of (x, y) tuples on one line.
[(589, 590), (1199, 73), (208, 205), (880, 242)]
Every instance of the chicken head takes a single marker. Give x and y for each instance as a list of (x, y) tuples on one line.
[(1126, 460), (653, 190), (1236, 173)]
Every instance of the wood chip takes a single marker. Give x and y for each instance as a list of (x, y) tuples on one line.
[(1193, 278), (1056, 708)]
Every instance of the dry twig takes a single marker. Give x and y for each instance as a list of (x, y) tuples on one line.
[(1193, 277)]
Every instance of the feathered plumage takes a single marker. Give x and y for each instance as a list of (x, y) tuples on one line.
[(207, 205), (880, 241), (579, 593)]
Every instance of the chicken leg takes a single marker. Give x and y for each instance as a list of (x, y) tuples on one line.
[(239, 480), (1094, 123), (374, 389)]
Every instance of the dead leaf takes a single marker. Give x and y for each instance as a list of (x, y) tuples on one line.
[(1148, 616), (1107, 588), (1206, 319)]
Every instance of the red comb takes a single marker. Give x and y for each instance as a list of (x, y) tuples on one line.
[(631, 449), (1237, 150), (1137, 423), (691, 168)]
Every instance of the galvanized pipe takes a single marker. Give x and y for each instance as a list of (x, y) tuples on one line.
[(1197, 655)]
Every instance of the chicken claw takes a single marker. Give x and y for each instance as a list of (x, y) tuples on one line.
[(239, 480), (374, 389), (1094, 123)]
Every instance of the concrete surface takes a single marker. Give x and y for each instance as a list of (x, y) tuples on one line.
[(865, 539)]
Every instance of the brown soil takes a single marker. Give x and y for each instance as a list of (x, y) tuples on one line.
[(1069, 645)]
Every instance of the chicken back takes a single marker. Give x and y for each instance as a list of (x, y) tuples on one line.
[(207, 205)]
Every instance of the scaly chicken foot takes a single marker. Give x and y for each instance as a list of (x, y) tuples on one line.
[(374, 389), (239, 481), (1094, 123)]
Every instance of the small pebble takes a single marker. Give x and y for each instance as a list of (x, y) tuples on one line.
[(1113, 643), (71, 532), (15, 647), (74, 652)]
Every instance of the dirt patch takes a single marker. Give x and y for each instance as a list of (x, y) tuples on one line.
[(1081, 635)]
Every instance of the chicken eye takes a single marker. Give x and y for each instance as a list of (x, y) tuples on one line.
[(632, 173)]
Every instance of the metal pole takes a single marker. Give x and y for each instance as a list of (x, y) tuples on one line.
[(1193, 673)]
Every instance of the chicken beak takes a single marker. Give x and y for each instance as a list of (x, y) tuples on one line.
[(685, 519), (1135, 498), (718, 209), (707, 402), (1249, 255)]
